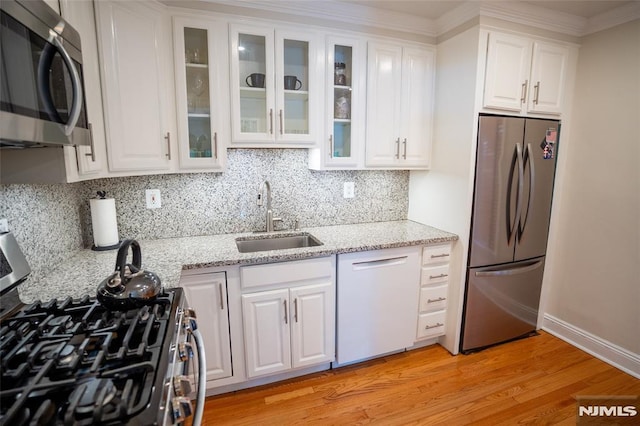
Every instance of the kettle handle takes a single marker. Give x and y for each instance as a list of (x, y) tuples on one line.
[(121, 259)]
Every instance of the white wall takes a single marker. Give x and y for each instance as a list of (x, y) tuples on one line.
[(442, 196), (594, 286)]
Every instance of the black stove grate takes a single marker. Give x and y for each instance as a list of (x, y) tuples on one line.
[(73, 362)]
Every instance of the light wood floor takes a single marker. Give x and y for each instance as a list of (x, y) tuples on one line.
[(530, 381)]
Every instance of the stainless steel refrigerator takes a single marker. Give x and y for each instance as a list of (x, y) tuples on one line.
[(515, 168)]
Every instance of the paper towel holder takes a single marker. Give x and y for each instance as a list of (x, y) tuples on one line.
[(103, 195)]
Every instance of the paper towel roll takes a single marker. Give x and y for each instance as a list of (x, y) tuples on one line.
[(103, 222)]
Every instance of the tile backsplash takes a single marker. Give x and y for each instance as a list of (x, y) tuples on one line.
[(53, 221), (45, 220)]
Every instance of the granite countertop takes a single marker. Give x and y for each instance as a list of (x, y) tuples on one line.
[(81, 274)]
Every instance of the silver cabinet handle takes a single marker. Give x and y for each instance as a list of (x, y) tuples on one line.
[(295, 309), (91, 154), (271, 120), (438, 276), (281, 122), (436, 256), (330, 146), (286, 319), (537, 92), (221, 297), (523, 96), (168, 139), (404, 147), (439, 299), (429, 327), (215, 145), (398, 148)]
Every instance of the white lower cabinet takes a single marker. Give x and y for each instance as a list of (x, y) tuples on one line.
[(207, 294), (434, 288), (290, 322)]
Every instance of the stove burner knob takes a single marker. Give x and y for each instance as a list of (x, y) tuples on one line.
[(181, 409), (185, 351), (189, 320), (181, 385)]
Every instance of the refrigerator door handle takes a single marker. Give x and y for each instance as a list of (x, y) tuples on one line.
[(511, 227), (508, 270), (528, 159)]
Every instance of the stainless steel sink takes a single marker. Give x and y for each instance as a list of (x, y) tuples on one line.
[(276, 242)]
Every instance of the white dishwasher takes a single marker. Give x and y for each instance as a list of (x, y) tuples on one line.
[(377, 298)]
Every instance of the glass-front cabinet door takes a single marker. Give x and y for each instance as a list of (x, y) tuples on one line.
[(343, 144), (274, 84), (200, 57)]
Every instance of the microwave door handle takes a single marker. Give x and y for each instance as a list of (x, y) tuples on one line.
[(44, 88), (76, 84)]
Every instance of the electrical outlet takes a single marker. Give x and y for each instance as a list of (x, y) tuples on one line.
[(153, 198), (349, 190), (4, 226)]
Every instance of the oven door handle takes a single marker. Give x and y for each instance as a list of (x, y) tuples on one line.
[(202, 377)]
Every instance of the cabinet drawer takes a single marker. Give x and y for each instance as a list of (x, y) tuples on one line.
[(433, 298), (440, 253), (435, 275), (431, 324), (286, 273)]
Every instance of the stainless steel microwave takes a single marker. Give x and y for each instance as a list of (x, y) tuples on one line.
[(41, 85)]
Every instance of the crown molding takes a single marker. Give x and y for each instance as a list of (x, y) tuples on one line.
[(620, 15), (338, 11), (511, 11)]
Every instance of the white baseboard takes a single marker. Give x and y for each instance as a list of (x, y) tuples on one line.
[(608, 352)]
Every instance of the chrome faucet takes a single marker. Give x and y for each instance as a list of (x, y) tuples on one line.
[(269, 219)]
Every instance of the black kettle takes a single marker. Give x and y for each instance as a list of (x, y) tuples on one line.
[(128, 287)]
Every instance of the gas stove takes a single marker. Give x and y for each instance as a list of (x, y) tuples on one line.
[(72, 362), (76, 362)]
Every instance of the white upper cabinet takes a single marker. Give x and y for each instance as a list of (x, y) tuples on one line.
[(202, 97), (137, 84), (525, 75), (344, 116), (548, 78), (400, 94), (90, 160), (276, 85)]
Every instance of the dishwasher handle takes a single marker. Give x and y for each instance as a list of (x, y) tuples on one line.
[(380, 263)]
